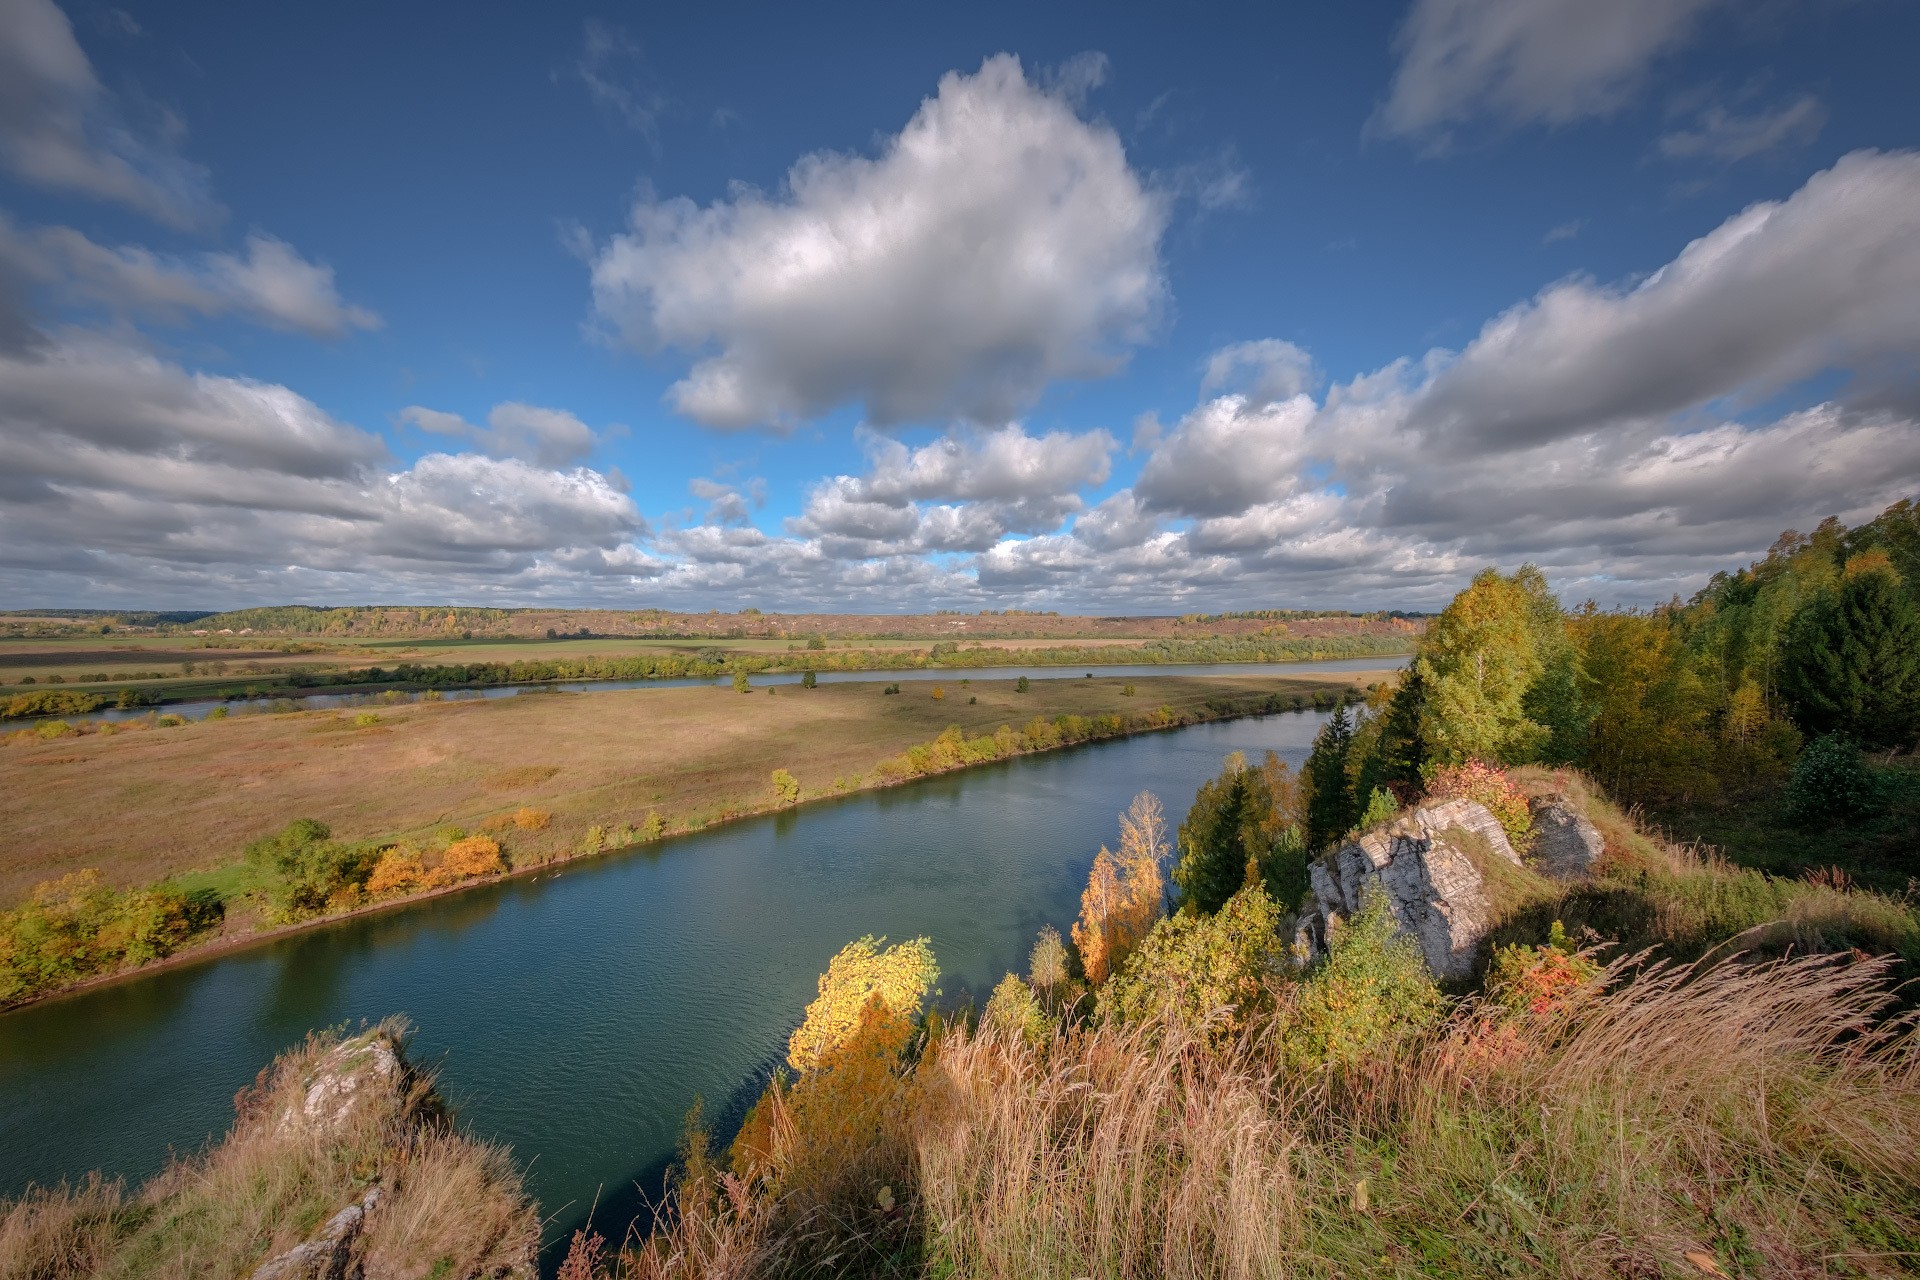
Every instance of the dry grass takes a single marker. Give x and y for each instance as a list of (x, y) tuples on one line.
[(1737, 1120), (448, 1206), (144, 806)]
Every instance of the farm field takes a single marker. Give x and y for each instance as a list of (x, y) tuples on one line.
[(147, 805)]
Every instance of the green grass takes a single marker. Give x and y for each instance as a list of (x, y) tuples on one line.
[(1881, 851)]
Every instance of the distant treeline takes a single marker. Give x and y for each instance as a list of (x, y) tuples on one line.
[(713, 663)]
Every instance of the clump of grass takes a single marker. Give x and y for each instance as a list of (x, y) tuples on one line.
[(282, 1171)]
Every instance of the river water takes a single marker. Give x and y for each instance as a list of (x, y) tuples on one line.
[(577, 1016), (198, 709)]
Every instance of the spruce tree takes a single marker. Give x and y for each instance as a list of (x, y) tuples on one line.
[(1331, 811), (1399, 752), (1851, 662), (1213, 841)]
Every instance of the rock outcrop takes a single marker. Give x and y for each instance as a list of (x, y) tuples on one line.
[(1428, 864), (329, 1255), (1565, 845)]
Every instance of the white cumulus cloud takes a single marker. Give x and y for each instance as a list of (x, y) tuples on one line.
[(996, 244)]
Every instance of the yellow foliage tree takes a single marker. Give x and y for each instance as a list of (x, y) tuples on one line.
[(398, 871), (464, 859), (1125, 892), (900, 977), (531, 819)]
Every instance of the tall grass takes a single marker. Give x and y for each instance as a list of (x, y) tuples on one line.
[(447, 1205), (1759, 1119)]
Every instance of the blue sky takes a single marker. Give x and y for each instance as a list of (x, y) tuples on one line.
[(870, 309)]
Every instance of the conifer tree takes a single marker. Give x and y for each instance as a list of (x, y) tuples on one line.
[(1331, 811), (1851, 662)]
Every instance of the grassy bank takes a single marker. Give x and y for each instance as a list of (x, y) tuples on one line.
[(421, 796)]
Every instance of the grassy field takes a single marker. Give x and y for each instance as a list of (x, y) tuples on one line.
[(144, 806)]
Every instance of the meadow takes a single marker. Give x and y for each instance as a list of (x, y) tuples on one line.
[(144, 806)]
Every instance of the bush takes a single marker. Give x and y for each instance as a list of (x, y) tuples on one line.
[(465, 859), (79, 926), (740, 682), (1830, 782), (1372, 989), (1195, 966), (309, 869), (1021, 685), (786, 788), (1493, 787), (365, 720), (1012, 1010), (528, 819), (808, 679), (398, 871)]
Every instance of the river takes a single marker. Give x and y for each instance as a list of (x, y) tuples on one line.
[(576, 1016), (197, 709)]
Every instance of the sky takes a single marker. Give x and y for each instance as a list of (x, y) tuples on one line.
[(878, 308)]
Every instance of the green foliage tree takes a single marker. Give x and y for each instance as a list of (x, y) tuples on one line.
[(740, 682), (1478, 659), (1198, 967), (1021, 685), (1331, 809), (809, 680), (1851, 662), (308, 867), (786, 788), (1397, 754), (1012, 1010), (1218, 838)]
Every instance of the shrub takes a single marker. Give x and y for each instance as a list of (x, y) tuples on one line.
[(1021, 685), (1830, 783), (1012, 1010), (740, 682), (939, 694), (465, 859), (309, 868), (1541, 980), (1194, 966), (218, 713), (808, 679), (595, 841), (529, 819), (654, 827), (786, 788), (900, 977), (1381, 807), (1493, 787), (79, 926), (365, 720), (398, 871), (1372, 989)]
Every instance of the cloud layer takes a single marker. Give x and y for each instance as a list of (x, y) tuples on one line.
[(1523, 61), (998, 243), (60, 128)]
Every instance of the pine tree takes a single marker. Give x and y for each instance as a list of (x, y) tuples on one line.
[(1331, 811), (1851, 662), (1399, 751)]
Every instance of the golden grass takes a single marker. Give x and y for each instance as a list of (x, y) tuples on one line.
[(1732, 1120), (144, 806), (447, 1205)]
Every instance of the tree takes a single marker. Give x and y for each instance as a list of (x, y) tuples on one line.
[(898, 978), (1021, 685), (1125, 892), (1331, 809), (1851, 662), (1399, 753), (786, 788), (740, 682), (1192, 967), (1478, 659), (809, 680), (1219, 838)]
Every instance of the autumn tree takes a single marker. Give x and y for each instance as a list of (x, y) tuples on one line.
[(1125, 892), (897, 978)]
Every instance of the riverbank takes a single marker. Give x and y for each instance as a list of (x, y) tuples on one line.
[(581, 777)]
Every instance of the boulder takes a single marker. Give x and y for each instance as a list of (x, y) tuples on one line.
[(1565, 844), (1424, 861)]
